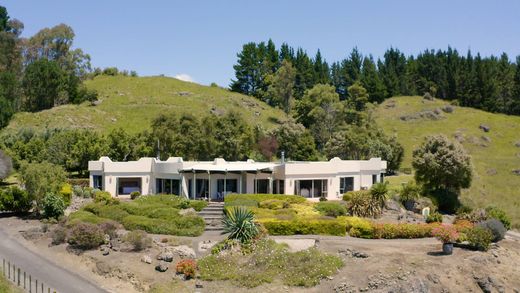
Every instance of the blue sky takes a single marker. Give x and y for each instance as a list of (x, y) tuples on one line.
[(200, 39)]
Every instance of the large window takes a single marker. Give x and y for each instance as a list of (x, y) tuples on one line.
[(311, 188), (97, 182), (126, 186), (231, 185), (374, 178), (346, 184), (168, 186), (279, 187), (261, 186), (201, 188)]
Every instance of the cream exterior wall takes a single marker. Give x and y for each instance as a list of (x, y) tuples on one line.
[(149, 169)]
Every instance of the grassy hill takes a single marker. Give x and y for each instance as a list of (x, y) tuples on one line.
[(494, 154), (133, 102)]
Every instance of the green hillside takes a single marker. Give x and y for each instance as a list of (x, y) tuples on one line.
[(494, 154), (132, 103)]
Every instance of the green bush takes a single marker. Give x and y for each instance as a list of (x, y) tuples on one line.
[(180, 226), (103, 197), (198, 205), (496, 213), (434, 218), (241, 202), (496, 228), (66, 193), (362, 204), (53, 206), (16, 200), (138, 239), (402, 231), (363, 229), (110, 228), (304, 227), (272, 204), (59, 235), (86, 236), (323, 198), (83, 216), (348, 195), (479, 238), (379, 192), (410, 191), (331, 209), (134, 194), (239, 223), (261, 197)]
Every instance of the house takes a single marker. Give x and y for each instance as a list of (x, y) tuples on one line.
[(214, 179)]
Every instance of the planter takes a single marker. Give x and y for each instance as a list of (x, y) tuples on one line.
[(447, 248)]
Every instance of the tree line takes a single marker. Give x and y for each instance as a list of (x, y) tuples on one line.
[(281, 76)]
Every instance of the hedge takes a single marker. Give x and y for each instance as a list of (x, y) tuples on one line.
[(261, 197), (301, 227)]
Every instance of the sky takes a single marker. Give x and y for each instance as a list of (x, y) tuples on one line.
[(199, 40)]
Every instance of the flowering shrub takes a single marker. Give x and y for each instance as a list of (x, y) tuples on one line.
[(403, 230), (187, 267), (446, 233)]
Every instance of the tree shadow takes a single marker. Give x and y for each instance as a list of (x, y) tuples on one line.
[(436, 253)]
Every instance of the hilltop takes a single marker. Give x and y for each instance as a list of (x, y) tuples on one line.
[(495, 154), (133, 102)]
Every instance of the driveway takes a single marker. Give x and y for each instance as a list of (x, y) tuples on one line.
[(39, 268)]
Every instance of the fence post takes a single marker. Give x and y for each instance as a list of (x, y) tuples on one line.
[(9, 270), (42, 287), (48, 289), (14, 274), (3, 267), (18, 277), (30, 284), (24, 279), (36, 287)]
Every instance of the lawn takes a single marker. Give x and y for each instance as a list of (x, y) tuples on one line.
[(157, 214), (132, 103), (494, 154), (8, 287)]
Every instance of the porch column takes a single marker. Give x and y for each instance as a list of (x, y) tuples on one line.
[(194, 185), (256, 182), (209, 185), (225, 183), (271, 184), (240, 183)]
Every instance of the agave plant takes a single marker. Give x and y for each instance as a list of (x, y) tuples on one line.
[(239, 223)]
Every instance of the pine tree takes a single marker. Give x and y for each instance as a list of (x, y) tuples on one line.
[(304, 73), (321, 70), (371, 81)]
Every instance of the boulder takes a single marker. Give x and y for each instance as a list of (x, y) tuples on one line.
[(484, 127), (187, 211), (184, 251), (392, 205), (517, 144), (146, 259), (516, 172), (486, 138), (165, 256), (447, 109), (161, 267)]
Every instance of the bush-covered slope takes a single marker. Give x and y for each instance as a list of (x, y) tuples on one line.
[(494, 153), (132, 103)]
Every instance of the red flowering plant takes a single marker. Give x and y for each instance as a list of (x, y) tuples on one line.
[(446, 233), (187, 267)]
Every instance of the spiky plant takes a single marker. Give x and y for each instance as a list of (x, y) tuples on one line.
[(239, 223), (379, 193)]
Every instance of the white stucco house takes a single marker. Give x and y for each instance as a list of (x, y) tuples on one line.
[(212, 180)]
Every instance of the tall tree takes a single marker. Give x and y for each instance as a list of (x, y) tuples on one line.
[(44, 85), (281, 88), (371, 81), (321, 70)]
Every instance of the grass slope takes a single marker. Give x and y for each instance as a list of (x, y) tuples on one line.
[(493, 182), (133, 102)]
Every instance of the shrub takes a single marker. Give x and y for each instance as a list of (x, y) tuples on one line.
[(181, 226), (59, 235), (496, 228), (187, 267), (445, 233), (138, 239), (198, 205), (86, 236), (84, 216), (379, 192), (474, 216), (66, 193), (496, 213), (331, 209), (434, 218), (241, 202), (304, 227), (77, 191), (239, 223), (348, 195), (358, 227), (103, 197), (322, 198), (53, 206), (224, 245), (272, 204), (402, 231), (15, 199), (409, 192), (135, 194), (110, 228), (479, 238), (362, 205), (261, 197)]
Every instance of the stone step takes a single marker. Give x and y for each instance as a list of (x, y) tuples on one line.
[(210, 213), (214, 228), (212, 217), (213, 209)]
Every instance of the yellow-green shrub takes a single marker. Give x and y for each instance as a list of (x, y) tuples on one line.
[(272, 204), (261, 197), (403, 230), (66, 193), (304, 227)]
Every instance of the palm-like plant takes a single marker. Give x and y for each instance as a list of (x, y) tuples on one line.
[(379, 193), (239, 223)]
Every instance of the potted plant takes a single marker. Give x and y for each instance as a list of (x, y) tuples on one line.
[(447, 234)]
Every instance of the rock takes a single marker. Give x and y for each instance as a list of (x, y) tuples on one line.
[(433, 278), (198, 285), (485, 128), (447, 109), (344, 288), (516, 172), (486, 138), (517, 144), (184, 251), (184, 94), (187, 211), (106, 252), (426, 115), (114, 119), (428, 96), (390, 104), (353, 253), (146, 259), (107, 239), (161, 267), (485, 284), (102, 268), (459, 136), (392, 205), (96, 103), (165, 256)]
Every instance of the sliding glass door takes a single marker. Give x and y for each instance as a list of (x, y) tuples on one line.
[(311, 188)]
